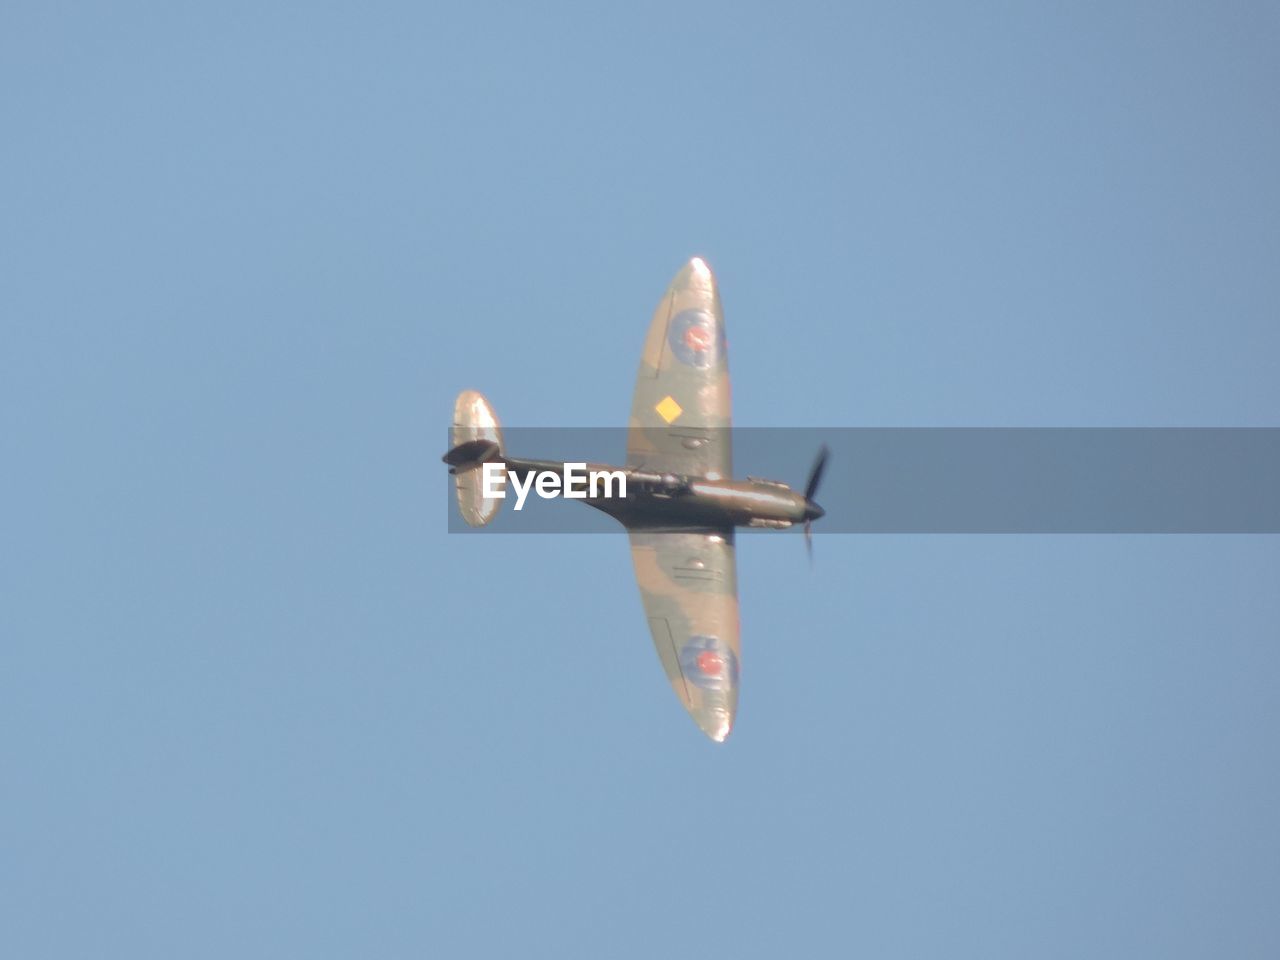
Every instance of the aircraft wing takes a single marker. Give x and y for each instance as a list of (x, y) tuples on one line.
[(689, 584), (680, 412)]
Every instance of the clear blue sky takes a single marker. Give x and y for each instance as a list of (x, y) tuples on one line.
[(256, 702)]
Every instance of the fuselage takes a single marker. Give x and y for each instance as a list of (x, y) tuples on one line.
[(670, 500)]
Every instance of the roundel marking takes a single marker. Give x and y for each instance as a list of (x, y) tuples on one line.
[(709, 663), (696, 339)]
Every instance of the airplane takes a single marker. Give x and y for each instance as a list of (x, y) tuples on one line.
[(681, 504)]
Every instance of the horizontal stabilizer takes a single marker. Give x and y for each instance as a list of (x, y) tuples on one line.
[(475, 439)]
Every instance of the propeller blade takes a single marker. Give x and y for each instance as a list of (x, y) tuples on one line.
[(815, 474), (808, 540)]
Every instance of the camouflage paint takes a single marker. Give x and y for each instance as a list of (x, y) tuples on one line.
[(682, 504)]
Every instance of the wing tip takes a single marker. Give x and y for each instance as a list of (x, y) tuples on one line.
[(696, 274), (717, 725)]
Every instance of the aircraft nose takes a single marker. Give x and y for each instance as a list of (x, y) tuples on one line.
[(813, 512)]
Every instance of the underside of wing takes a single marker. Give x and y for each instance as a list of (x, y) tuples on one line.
[(680, 413), (689, 584)]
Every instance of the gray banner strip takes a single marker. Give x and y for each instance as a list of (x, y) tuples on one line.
[(969, 480)]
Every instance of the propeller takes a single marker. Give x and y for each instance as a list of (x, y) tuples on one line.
[(812, 511)]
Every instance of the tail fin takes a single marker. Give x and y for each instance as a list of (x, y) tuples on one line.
[(475, 439)]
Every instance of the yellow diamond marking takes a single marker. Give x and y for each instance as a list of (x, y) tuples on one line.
[(668, 409)]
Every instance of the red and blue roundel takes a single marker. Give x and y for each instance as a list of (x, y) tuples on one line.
[(695, 338), (709, 663)]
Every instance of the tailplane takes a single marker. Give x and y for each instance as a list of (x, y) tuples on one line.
[(475, 439)]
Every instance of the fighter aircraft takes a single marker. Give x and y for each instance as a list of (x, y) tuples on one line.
[(681, 504)]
